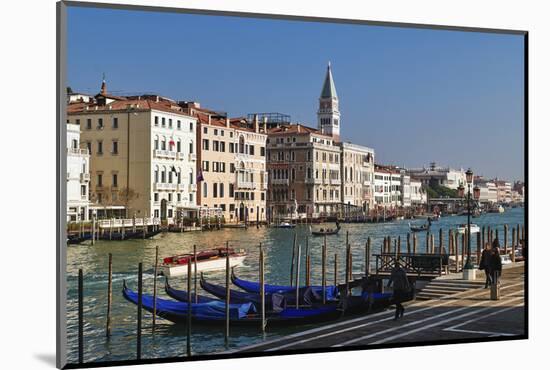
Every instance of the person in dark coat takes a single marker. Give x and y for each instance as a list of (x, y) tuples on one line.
[(401, 289), (495, 262), (484, 264)]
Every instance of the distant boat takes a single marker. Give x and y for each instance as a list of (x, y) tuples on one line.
[(212, 259), (285, 225), (327, 231), (464, 227), (425, 227)]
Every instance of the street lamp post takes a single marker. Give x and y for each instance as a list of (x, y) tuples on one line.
[(468, 270)]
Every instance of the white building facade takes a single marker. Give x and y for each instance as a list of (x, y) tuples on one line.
[(78, 176)]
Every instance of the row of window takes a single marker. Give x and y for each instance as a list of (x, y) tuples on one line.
[(170, 197), (99, 147), (218, 191), (172, 145), (161, 122), (99, 123), (219, 146)]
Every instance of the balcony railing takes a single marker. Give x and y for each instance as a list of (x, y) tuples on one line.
[(245, 184), (312, 180), (163, 186), (192, 187), (192, 157), (84, 177), (279, 181), (335, 182), (77, 151), (164, 153)]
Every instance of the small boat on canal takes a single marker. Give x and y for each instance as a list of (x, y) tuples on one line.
[(208, 260), (425, 227), (285, 225), (464, 228), (327, 231)]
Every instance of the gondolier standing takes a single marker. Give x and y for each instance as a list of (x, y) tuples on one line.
[(401, 289)]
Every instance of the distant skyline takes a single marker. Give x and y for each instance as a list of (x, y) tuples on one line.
[(414, 95)]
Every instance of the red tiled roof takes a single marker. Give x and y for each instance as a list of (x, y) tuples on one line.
[(122, 105), (296, 129)]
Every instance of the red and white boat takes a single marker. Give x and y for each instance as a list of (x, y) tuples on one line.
[(208, 260)]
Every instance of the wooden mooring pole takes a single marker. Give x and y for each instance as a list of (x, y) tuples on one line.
[(155, 288), (324, 269), (408, 243), (335, 269), (109, 296), (427, 242), (478, 252), (189, 311), (80, 317), (298, 276), (292, 262), (463, 250), (367, 257), (414, 243), (308, 267), (505, 239), (139, 310), (457, 267), (483, 237), (227, 293), (262, 288), (195, 290), (440, 241)]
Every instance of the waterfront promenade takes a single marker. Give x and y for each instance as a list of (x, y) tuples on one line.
[(463, 315)]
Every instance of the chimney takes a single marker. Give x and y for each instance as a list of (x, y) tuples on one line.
[(209, 119), (265, 124), (227, 122), (256, 125)]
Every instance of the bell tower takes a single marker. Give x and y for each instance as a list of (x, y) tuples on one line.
[(328, 115)]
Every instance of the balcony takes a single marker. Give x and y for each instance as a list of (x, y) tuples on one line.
[(192, 187), (335, 182), (313, 181), (78, 151), (192, 157), (157, 153), (263, 186), (279, 182), (166, 187), (244, 184), (84, 177)]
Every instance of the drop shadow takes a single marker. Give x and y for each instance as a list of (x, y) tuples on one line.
[(46, 358)]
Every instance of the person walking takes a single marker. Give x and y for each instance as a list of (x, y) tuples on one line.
[(495, 262), (401, 288), (484, 264)]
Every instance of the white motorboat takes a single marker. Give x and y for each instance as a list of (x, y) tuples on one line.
[(209, 260), (464, 228)]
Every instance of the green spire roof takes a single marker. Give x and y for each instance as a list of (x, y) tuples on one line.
[(329, 90)]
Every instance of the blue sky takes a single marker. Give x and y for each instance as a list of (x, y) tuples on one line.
[(413, 95)]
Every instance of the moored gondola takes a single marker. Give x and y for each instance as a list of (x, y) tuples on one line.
[(213, 312)]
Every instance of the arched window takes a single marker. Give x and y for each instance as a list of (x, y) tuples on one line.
[(179, 175), (156, 174), (191, 147), (163, 143), (178, 147), (156, 142), (163, 175)]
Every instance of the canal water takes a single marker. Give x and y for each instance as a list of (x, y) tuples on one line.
[(169, 339)]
